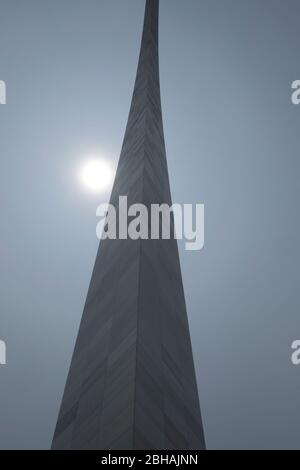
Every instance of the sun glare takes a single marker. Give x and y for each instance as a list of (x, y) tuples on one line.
[(96, 174)]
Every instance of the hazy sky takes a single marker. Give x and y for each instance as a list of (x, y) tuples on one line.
[(232, 138)]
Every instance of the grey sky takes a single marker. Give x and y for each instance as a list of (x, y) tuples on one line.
[(232, 139)]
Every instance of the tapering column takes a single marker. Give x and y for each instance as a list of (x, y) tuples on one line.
[(131, 383)]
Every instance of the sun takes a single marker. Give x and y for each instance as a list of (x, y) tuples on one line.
[(96, 174)]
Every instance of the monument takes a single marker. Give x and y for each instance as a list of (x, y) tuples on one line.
[(131, 383)]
